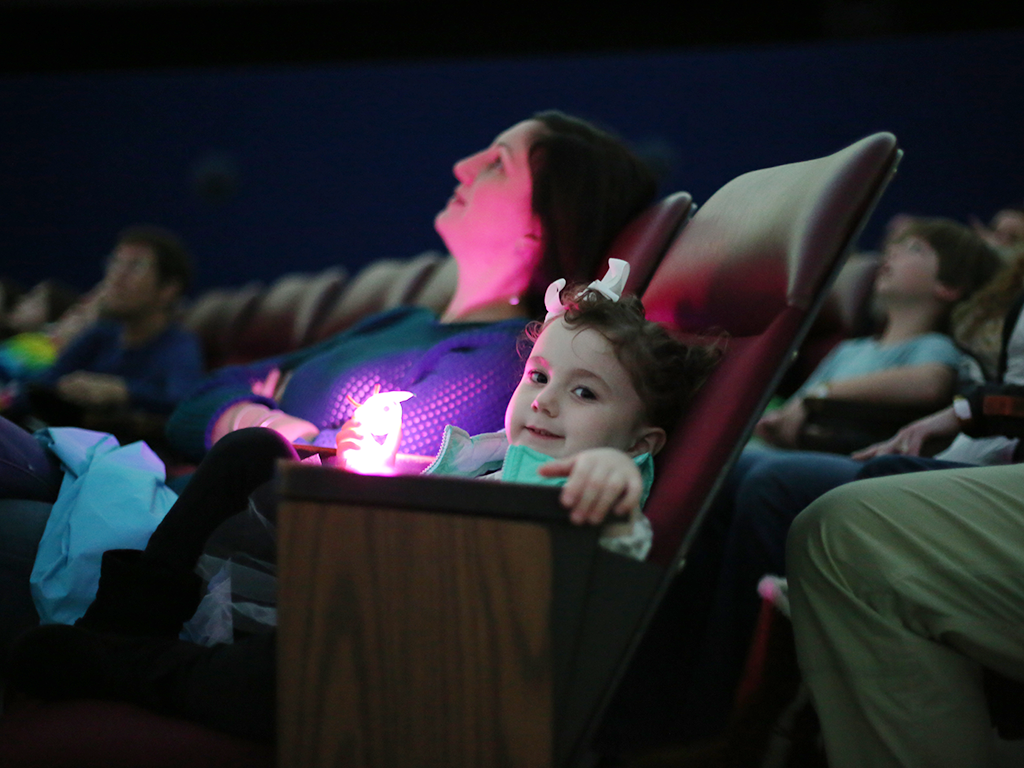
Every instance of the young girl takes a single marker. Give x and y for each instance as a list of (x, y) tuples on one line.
[(598, 392)]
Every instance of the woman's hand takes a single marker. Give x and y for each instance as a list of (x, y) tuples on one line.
[(782, 426), (908, 441), (601, 481), (244, 415)]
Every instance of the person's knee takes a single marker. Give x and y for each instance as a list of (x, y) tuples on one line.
[(254, 441), (832, 535), (805, 533), (819, 530)]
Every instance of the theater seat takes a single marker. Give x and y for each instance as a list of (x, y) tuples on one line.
[(751, 269)]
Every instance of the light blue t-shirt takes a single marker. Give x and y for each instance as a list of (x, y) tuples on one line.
[(858, 357)]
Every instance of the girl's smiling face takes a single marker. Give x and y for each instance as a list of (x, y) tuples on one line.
[(575, 395)]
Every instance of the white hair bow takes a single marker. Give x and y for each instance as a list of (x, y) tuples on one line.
[(610, 286)]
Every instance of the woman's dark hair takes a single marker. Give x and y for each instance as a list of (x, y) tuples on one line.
[(172, 259), (587, 185), (665, 371)]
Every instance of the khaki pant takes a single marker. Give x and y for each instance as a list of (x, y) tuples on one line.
[(902, 588)]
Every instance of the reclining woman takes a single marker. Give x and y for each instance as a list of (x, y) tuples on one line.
[(544, 200)]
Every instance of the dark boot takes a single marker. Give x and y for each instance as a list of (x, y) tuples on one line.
[(142, 596)]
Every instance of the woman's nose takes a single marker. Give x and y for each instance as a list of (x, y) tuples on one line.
[(465, 170)]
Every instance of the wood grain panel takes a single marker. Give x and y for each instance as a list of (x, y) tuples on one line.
[(412, 639)]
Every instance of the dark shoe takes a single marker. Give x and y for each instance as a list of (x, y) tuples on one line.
[(141, 596)]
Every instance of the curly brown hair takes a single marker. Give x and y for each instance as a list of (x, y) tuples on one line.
[(665, 371)]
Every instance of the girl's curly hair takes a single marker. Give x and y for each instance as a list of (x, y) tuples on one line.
[(665, 371)]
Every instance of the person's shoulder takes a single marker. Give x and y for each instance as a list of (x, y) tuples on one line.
[(854, 346), (100, 331), (403, 314), (934, 340), (934, 347), (512, 327)]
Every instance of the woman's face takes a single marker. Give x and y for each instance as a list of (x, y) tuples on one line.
[(490, 216)]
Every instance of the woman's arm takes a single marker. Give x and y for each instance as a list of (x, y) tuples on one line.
[(191, 426)]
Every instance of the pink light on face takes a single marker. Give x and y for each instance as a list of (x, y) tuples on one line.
[(368, 442)]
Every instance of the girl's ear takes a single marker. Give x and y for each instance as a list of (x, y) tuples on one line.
[(650, 440)]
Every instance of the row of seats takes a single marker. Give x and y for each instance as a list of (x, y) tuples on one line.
[(238, 325)]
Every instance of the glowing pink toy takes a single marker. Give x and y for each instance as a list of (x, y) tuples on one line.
[(373, 433)]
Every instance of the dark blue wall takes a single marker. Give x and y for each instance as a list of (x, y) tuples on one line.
[(350, 163)]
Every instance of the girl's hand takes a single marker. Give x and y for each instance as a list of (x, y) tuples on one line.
[(601, 481), (349, 441)]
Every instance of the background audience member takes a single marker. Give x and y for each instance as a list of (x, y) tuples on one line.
[(901, 589), (978, 321), (1006, 230), (32, 346), (924, 273), (136, 357), (45, 303), (10, 291)]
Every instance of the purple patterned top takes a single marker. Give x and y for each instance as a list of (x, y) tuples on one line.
[(460, 373)]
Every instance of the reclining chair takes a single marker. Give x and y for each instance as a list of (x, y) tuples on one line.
[(437, 621)]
